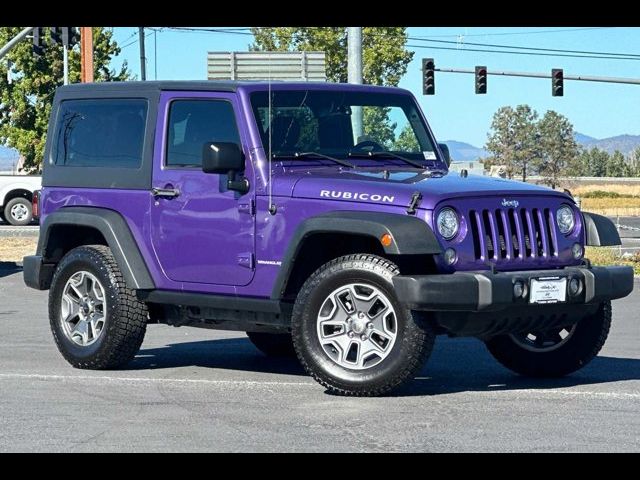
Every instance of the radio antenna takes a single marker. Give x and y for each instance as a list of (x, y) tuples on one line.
[(272, 207)]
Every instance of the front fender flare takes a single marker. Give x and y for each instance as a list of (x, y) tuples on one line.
[(600, 231), (411, 236)]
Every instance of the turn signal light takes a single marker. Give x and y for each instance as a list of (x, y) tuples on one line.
[(386, 240)]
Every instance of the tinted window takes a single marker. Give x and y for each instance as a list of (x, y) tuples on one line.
[(192, 123), (101, 133)]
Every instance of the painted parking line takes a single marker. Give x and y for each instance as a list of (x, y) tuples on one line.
[(133, 380), (255, 383)]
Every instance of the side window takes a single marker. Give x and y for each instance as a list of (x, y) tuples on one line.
[(192, 123), (101, 133)]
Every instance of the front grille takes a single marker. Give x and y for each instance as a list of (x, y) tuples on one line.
[(508, 234)]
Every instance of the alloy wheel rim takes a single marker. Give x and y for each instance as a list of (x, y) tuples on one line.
[(546, 341), (357, 326), (83, 308), (19, 212)]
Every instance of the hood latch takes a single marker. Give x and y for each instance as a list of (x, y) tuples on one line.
[(413, 204)]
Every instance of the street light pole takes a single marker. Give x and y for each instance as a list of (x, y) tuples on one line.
[(15, 40), (354, 72), (65, 64), (143, 59)]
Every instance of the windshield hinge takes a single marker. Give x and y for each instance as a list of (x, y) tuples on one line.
[(413, 204)]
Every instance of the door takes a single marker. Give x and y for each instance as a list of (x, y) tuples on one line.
[(202, 232)]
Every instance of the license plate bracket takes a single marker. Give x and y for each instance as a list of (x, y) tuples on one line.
[(545, 290)]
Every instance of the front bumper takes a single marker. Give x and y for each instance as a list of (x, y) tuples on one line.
[(486, 291)]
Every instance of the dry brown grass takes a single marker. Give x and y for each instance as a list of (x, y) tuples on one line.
[(12, 249), (623, 207), (611, 256), (633, 190)]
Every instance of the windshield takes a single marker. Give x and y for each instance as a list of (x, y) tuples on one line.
[(341, 124)]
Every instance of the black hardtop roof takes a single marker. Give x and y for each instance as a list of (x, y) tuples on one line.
[(142, 87)]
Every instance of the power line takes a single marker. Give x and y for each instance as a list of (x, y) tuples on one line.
[(533, 51), (136, 40), (520, 47), (568, 30), (429, 47)]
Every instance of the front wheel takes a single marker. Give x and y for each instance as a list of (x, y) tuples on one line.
[(351, 333), (555, 352)]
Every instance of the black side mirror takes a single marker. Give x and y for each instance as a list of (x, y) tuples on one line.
[(222, 157), (225, 157), (445, 151)]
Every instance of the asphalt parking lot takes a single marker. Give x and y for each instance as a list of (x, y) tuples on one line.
[(192, 389)]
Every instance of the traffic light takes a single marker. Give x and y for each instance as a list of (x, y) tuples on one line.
[(38, 39), (428, 76), (70, 36), (56, 35), (481, 79), (557, 82)]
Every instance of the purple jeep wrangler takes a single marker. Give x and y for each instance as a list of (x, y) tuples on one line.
[(319, 218)]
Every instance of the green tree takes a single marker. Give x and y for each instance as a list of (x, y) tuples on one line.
[(384, 60), (558, 148), (378, 127), (407, 141), (25, 101), (593, 163), (617, 166), (513, 139), (635, 163), (384, 56)]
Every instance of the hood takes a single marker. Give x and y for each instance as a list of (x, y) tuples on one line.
[(397, 186)]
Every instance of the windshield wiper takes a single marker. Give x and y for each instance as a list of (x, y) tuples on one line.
[(316, 155), (385, 153)]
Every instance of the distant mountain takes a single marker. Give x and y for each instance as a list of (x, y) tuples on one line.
[(464, 152), (583, 139), (624, 143)]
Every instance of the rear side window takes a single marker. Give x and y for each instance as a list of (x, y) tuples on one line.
[(192, 123), (101, 133)]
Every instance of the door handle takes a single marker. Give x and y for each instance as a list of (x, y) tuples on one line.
[(165, 192)]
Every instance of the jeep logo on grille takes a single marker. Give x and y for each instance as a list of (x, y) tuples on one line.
[(510, 203)]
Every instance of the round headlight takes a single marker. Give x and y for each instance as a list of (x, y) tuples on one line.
[(448, 223), (565, 219)]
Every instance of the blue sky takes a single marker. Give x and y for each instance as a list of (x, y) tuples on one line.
[(456, 112)]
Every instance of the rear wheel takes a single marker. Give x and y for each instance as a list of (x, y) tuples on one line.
[(273, 344), (97, 322), (555, 352), (17, 211), (350, 332)]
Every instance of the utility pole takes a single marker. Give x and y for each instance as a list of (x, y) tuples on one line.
[(354, 72), (86, 55), (15, 40), (143, 58)]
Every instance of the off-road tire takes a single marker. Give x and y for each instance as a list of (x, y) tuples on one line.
[(126, 317), (273, 344), (6, 216), (583, 345), (414, 338)]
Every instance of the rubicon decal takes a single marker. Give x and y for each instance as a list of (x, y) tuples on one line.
[(373, 197)]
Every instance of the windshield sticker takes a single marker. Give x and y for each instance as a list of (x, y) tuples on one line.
[(429, 155)]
